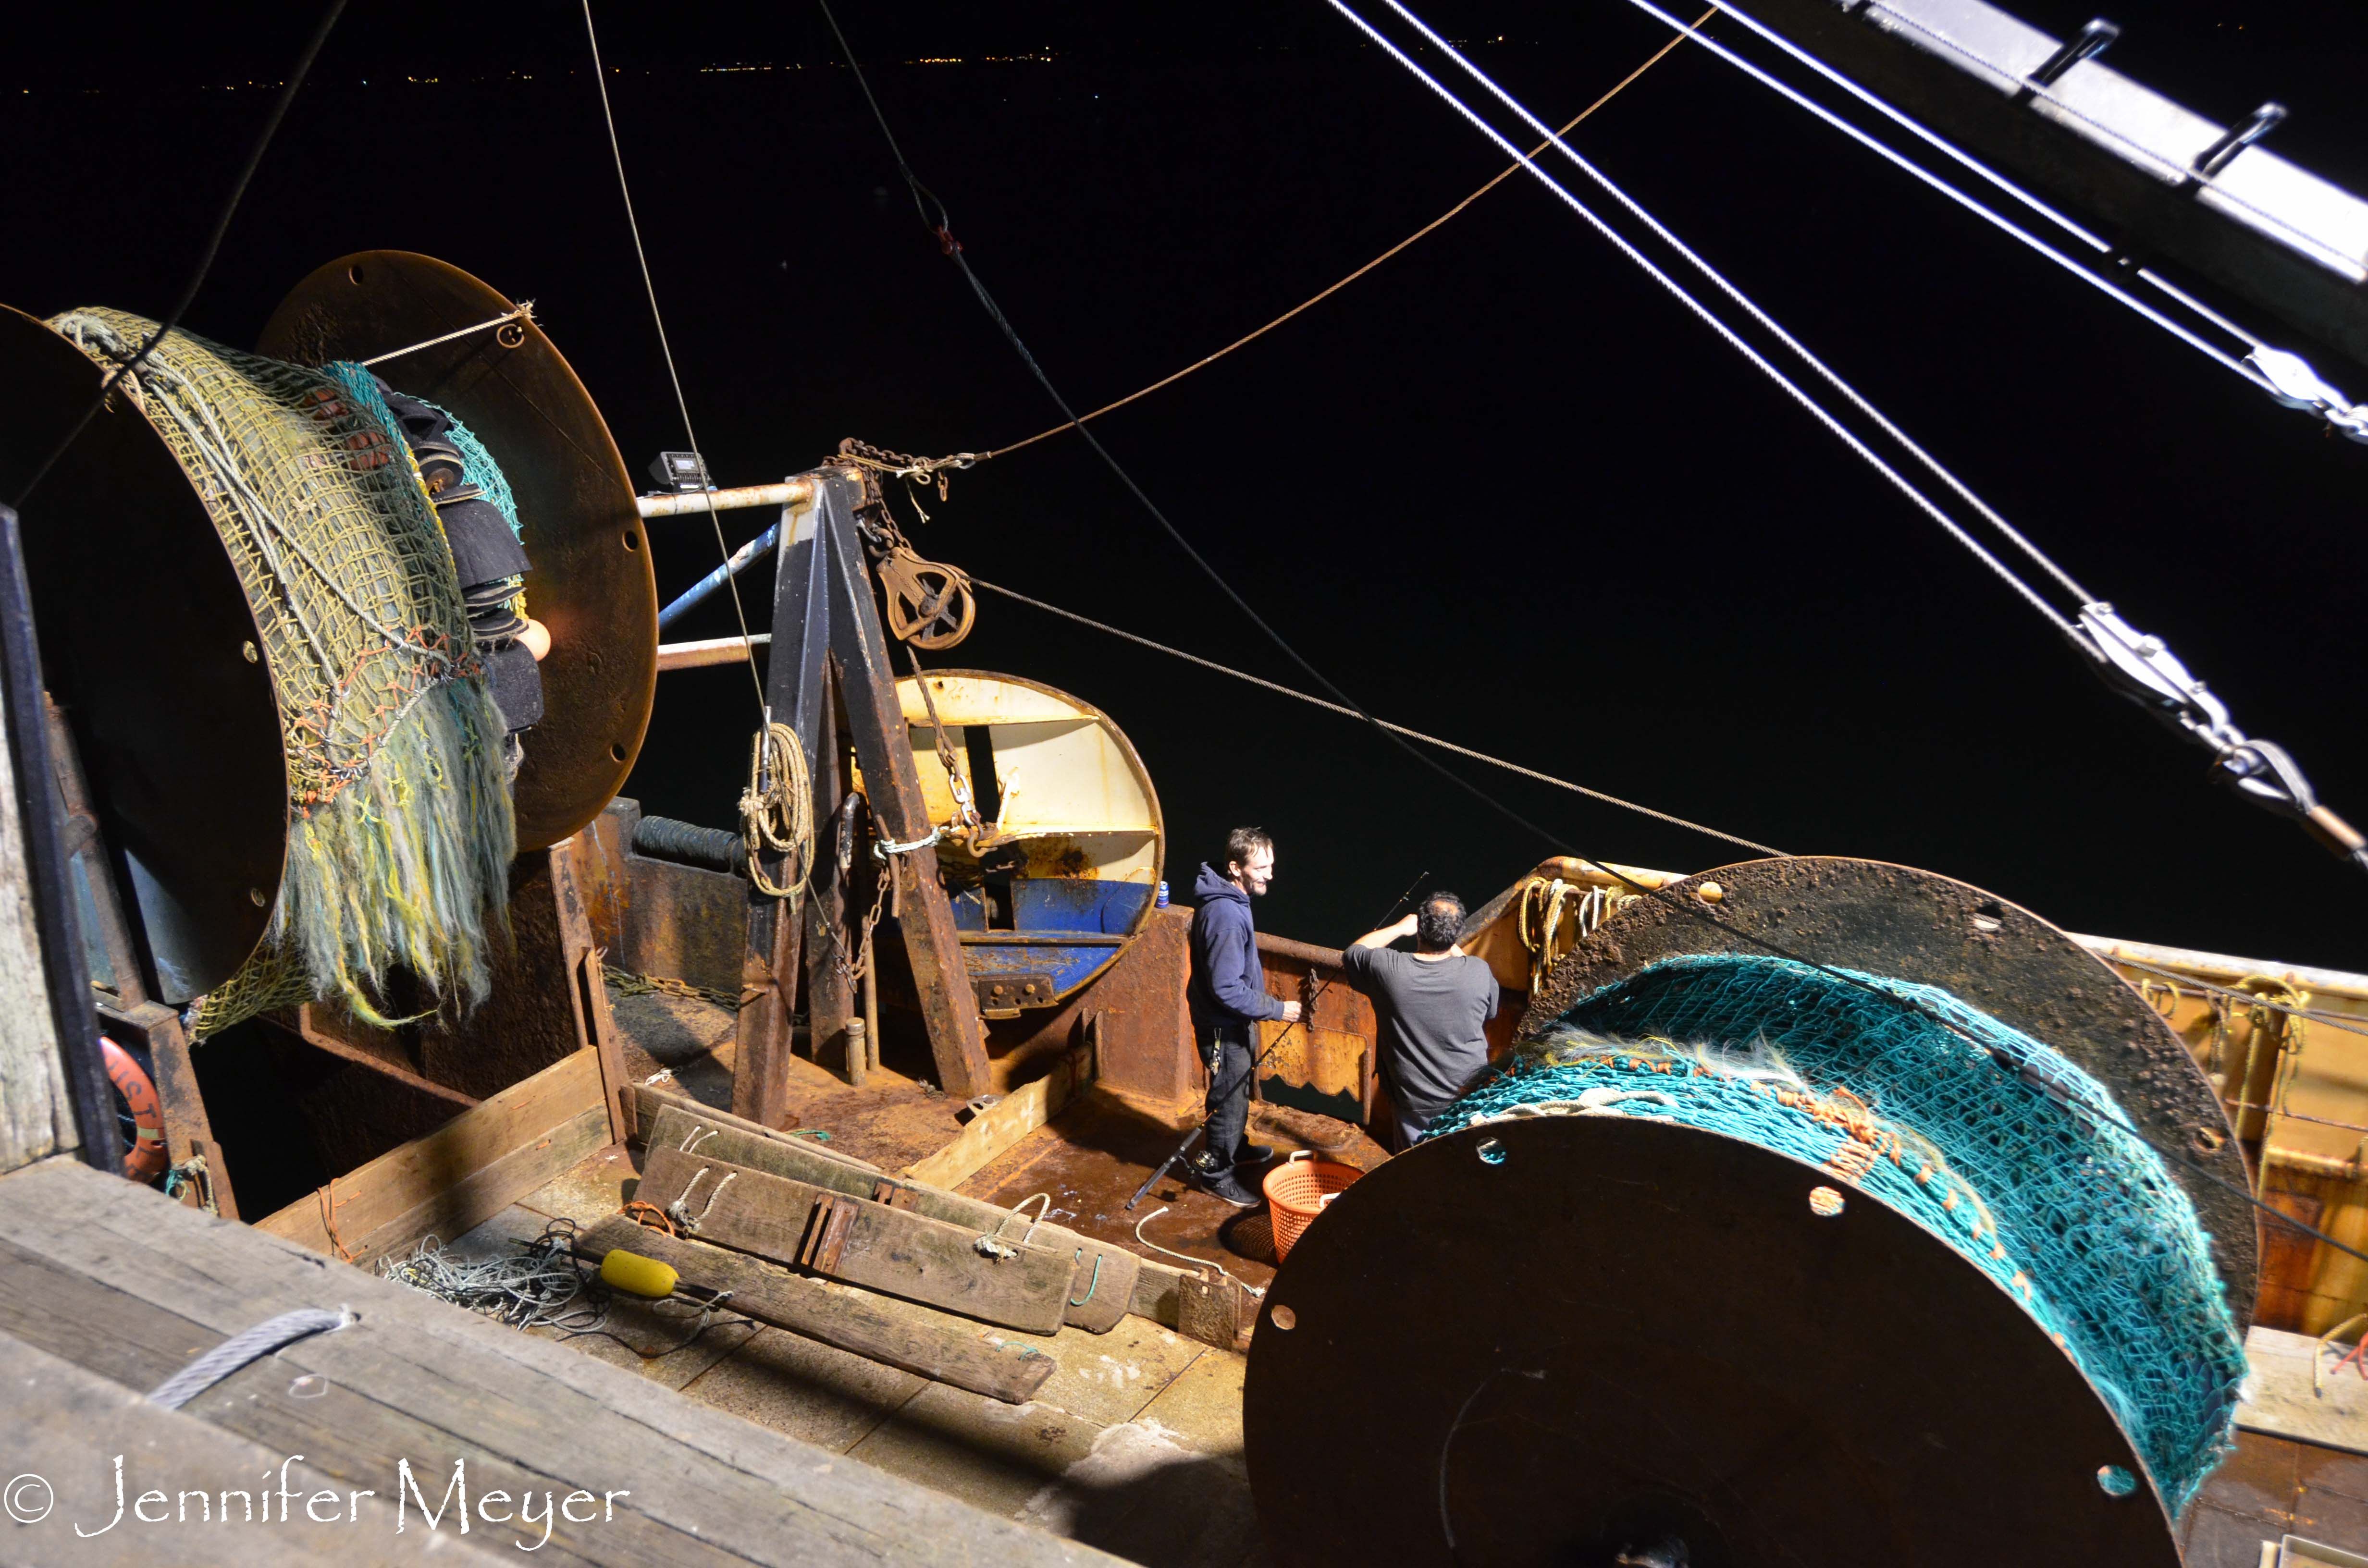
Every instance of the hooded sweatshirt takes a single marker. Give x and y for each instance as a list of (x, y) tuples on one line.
[(1228, 982)]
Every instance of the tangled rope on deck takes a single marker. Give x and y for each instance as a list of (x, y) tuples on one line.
[(2079, 1220)]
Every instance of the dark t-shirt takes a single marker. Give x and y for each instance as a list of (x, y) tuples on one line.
[(1431, 1016)]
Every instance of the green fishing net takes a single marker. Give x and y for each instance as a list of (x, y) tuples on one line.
[(400, 832), (1987, 1137)]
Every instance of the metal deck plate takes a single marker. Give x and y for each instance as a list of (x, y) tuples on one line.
[(1625, 1331)]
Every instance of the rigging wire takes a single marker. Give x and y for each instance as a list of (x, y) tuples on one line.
[(1767, 323), (1683, 906), (1963, 199), (205, 259), (1313, 700), (649, 285), (1684, 31), (2310, 1015)]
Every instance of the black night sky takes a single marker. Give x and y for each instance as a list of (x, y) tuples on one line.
[(1502, 489)]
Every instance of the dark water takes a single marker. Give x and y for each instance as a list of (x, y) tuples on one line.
[(1501, 489)]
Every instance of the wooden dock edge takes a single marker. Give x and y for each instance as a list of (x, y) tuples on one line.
[(462, 1173)]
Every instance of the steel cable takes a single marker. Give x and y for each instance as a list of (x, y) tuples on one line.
[(665, 350), (1309, 698), (1683, 906)]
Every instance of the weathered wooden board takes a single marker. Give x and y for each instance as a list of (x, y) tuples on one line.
[(1107, 1285), (1106, 1276), (1005, 1122), (36, 1110), (953, 1354), (2280, 1399), (895, 1251), (117, 1280), (67, 1429), (462, 1173), (650, 1101)]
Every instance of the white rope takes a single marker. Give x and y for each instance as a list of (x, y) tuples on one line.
[(1815, 409), (680, 1210), (1197, 1263), (884, 848), (242, 1349), (1831, 376), (524, 309), (541, 1287)]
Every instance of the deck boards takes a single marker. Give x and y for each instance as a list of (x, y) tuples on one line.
[(68, 1427), (122, 1284)]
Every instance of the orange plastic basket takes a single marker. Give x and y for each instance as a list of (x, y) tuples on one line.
[(1296, 1191)]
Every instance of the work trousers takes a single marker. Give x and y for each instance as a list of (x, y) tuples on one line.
[(1226, 1052)]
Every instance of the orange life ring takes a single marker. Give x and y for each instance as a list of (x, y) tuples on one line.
[(145, 1160)]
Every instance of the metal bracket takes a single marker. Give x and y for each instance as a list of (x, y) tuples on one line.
[(2238, 137), (2090, 41), (2145, 670), (1003, 996)]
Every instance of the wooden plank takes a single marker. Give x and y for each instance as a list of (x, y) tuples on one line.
[(464, 1173), (830, 990), (189, 1134), (884, 751), (1106, 1278), (653, 1101), (796, 694), (37, 1116), (953, 1354), (2280, 1399), (1210, 1310), (105, 1273), (1005, 1122), (69, 1427), (894, 1251), (588, 998)]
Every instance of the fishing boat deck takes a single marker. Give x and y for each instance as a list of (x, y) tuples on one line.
[(1089, 1166), (1134, 1444)]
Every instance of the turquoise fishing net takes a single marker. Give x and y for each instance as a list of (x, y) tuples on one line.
[(2080, 1222), (477, 465)]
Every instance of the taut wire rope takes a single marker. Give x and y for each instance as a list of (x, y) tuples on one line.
[(1309, 698), (657, 319), (1922, 502), (525, 310), (205, 259), (1510, 170), (923, 198), (1986, 214)]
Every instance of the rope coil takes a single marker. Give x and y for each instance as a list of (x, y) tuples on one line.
[(777, 812)]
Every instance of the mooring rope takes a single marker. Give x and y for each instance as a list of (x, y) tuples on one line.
[(1321, 295), (241, 1350), (777, 812)]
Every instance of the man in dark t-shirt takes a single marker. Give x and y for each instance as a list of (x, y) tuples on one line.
[(1432, 1003)]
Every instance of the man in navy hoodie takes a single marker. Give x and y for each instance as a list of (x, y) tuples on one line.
[(1228, 997)]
